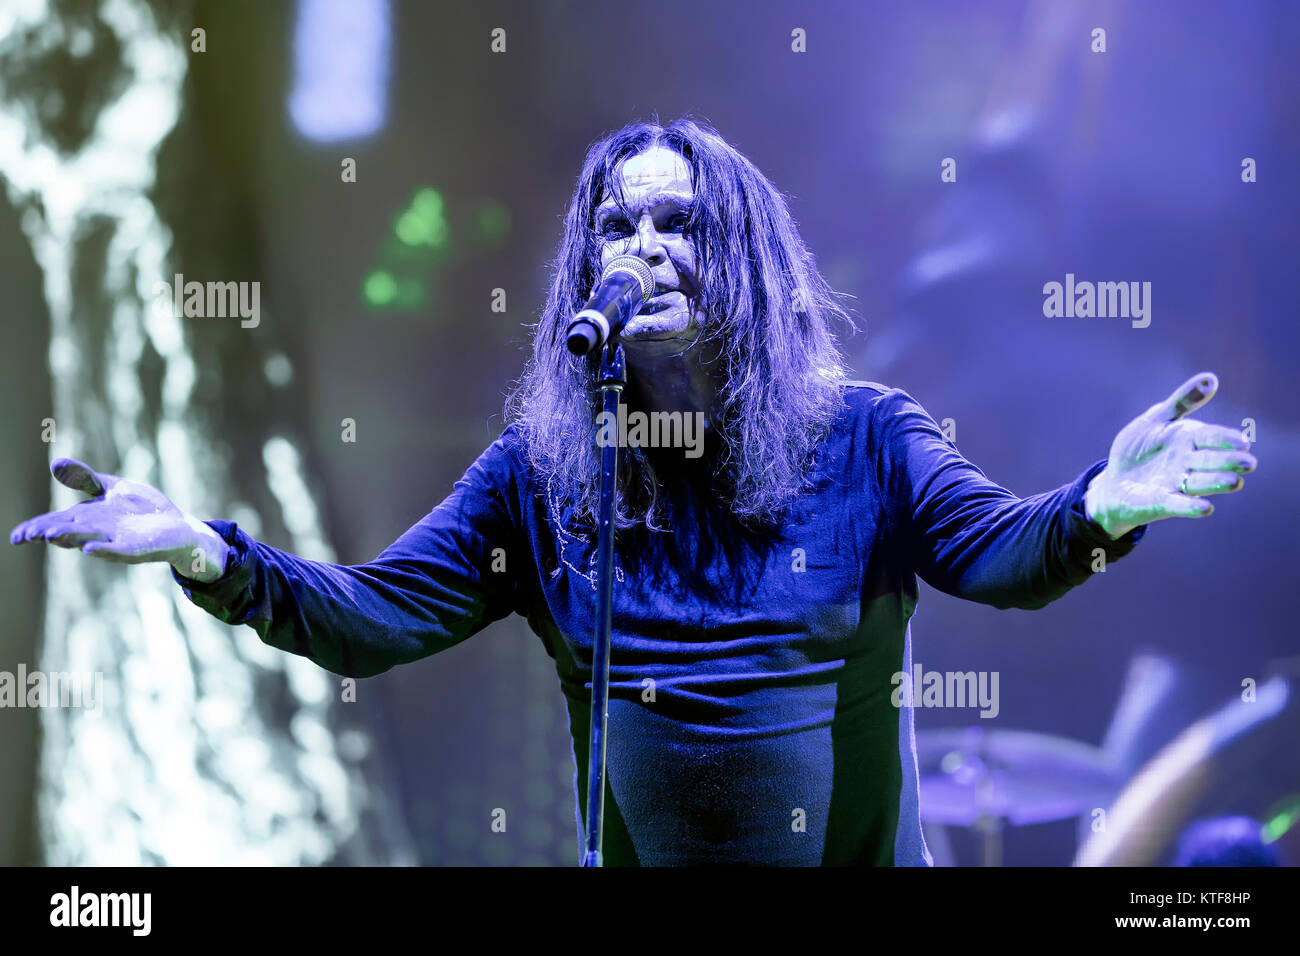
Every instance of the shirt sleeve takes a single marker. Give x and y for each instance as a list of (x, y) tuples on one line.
[(446, 578), (972, 538)]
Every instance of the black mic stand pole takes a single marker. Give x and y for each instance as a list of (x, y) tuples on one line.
[(613, 378)]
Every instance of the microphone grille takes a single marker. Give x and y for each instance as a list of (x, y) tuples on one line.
[(635, 265)]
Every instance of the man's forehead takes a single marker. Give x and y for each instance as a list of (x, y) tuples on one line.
[(654, 176)]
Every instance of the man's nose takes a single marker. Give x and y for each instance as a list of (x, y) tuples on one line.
[(649, 245)]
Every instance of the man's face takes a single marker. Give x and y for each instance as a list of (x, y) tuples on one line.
[(656, 187)]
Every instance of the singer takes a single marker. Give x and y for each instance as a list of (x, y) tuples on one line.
[(762, 588)]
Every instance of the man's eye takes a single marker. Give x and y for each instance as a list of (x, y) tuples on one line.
[(613, 229), (678, 222)]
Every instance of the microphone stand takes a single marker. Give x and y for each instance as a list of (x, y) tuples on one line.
[(613, 378)]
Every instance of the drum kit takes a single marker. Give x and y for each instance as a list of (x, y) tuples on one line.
[(990, 779)]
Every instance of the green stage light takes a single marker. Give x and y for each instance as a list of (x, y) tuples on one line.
[(423, 223), (380, 289)]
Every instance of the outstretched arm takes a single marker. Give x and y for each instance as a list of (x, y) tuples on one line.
[(437, 585), (970, 537)]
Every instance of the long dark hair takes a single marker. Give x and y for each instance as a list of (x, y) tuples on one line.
[(768, 311)]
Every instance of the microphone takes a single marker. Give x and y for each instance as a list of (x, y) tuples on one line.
[(626, 282)]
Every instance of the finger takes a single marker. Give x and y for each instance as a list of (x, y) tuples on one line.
[(70, 535), (34, 528), (1212, 483), (79, 475), (1207, 436), (1188, 397), (1238, 461), (1184, 506)]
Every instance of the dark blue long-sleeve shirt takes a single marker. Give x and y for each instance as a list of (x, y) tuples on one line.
[(752, 715)]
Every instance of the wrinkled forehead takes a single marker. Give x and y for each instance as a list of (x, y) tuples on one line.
[(650, 175)]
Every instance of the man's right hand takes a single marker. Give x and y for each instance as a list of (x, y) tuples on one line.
[(128, 522)]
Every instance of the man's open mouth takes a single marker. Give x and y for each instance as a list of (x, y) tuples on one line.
[(658, 303)]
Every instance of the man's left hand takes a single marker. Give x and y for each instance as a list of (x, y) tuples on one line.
[(1162, 465)]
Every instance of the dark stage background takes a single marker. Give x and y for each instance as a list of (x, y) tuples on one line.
[(377, 306)]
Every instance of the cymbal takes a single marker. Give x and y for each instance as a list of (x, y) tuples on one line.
[(1018, 776)]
